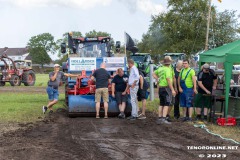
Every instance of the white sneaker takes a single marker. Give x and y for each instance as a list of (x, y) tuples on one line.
[(141, 116), (165, 121)]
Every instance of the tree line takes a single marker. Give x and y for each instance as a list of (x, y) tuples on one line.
[(182, 28)]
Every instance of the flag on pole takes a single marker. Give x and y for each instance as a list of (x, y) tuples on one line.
[(130, 45)]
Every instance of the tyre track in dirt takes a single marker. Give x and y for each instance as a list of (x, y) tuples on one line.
[(58, 137)]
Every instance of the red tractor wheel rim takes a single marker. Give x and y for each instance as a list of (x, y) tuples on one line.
[(30, 78)]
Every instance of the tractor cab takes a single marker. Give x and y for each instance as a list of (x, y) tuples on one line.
[(85, 56), (142, 60)]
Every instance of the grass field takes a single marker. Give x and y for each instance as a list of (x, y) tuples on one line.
[(25, 107)]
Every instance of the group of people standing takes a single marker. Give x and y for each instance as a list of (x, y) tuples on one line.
[(179, 85), (121, 83), (176, 86)]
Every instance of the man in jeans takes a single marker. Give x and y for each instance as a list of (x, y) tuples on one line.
[(187, 88), (119, 91), (133, 84), (102, 78), (55, 79)]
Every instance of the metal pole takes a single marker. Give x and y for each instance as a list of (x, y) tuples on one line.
[(208, 23), (151, 83)]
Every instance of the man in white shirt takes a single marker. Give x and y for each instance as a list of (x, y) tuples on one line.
[(133, 81)]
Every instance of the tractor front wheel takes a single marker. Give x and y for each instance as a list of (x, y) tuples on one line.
[(2, 83), (29, 78), (15, 80)]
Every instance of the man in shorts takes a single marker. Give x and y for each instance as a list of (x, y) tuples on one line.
[(207, 81), (55, 79), (187, 88), (102, 78), (166, 90), (119, 91)]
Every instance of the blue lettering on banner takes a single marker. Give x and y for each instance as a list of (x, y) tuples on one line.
[(82, 61)]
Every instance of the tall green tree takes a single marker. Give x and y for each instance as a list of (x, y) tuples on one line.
[(39, 55), (44, 40), (183, 28), (224, 28)]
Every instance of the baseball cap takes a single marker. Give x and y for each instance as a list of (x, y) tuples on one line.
[(56, 65), (206, 66)]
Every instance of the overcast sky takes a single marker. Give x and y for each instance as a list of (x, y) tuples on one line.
[(22, 19)]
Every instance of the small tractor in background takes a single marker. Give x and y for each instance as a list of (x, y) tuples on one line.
[(143, 61), (85, 55), (16, 72)]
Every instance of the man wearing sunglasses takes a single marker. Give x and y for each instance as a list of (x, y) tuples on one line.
[(207, 81)]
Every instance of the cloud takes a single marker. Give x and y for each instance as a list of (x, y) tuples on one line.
[(83, 4), (146, 6)]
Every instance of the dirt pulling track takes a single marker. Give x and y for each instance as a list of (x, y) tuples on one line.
[(58, 137)]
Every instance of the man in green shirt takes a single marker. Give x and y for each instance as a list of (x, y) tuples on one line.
[(166, 90), (187, 88)]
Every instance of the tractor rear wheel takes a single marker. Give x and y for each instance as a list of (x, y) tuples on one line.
[(2, 83), (29, 78), (15, 80)]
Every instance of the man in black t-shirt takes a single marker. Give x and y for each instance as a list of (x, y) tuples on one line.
[(119, 90), (102, 78), (207, 81)]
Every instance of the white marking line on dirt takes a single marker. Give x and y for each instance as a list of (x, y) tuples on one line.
[(109, 142)]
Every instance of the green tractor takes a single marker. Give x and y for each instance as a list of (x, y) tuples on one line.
[(142, 62)]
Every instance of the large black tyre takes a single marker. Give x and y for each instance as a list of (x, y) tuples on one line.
[(2, 83), (29, 78), (15, 80)]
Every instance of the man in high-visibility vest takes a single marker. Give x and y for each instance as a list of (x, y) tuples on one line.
[(187, 88)]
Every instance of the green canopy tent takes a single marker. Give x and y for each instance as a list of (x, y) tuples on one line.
[(228, 54)]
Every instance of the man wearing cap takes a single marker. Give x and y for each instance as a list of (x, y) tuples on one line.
[(174, 82), (207, 81), (55, 79), (166, 91), (187, 88)]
